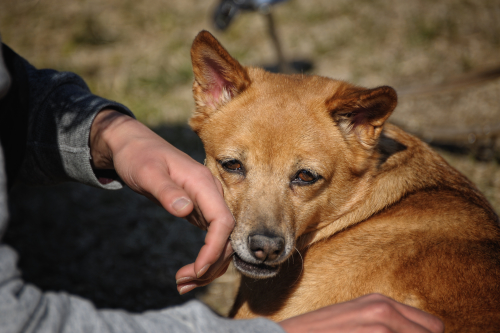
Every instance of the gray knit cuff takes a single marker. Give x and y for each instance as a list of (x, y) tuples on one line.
[(77, 160)]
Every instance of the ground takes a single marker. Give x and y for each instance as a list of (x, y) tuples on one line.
[(121, 251)]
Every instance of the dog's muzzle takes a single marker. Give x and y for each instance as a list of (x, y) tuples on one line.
[(262, 257)]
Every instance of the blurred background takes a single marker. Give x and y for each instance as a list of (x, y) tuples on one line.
[(120, 250)]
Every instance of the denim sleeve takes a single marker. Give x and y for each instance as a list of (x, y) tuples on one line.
[(61, 111)]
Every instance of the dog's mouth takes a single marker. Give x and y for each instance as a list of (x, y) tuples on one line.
[(256, 271)]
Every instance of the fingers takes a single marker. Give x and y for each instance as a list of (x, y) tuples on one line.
[(186, 276), (215, 240), (188, 273), (196, 195), (186, 284), (158, 184), (426, 320), (208, 211), (384, 312), (370, 313), (220, 224), (378, 309)]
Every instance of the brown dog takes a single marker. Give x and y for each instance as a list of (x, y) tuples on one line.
[(331, 203)]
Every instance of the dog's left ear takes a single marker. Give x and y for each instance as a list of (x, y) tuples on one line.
[(360, 113), (218, 77)]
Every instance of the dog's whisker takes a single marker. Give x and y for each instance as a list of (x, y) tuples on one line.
[(301, 259), (301, 265)]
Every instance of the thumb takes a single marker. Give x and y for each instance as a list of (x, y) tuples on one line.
[(168, 194), (175, 200)]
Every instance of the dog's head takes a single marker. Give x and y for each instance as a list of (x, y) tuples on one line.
[(292, 151)]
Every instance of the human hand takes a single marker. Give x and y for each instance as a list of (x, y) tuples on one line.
[(151, 166), (369, 313)]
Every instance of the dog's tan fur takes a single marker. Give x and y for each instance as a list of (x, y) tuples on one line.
[(386, 214)]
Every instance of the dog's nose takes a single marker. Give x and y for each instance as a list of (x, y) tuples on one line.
[(266, 247)]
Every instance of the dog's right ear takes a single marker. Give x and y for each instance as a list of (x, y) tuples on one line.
[(361, 113), (218, 77)]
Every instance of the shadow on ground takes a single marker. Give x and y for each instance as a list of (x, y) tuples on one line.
[(115, 248)]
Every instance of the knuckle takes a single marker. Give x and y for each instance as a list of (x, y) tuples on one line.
[(229, 222), (147, 167), (145, 172), (199, 174), (380, 309)]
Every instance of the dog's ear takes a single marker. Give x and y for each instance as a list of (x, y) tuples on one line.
[(361, 113), (218, 77)]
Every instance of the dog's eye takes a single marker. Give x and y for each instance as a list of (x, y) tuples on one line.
[(305, 177), (348, 114), (232, 165)]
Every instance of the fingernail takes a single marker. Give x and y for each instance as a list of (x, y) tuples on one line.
[(184, 280), (202, 271), (186, 289), (180, 204)]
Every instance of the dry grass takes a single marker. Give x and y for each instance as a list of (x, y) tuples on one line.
[(137, 52)]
